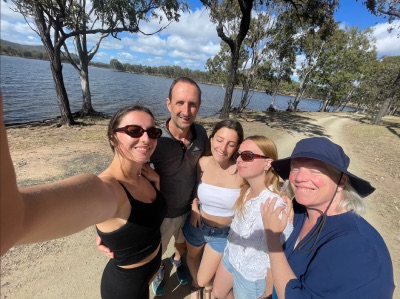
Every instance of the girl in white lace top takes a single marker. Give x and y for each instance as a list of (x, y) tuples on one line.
[(244, 270)]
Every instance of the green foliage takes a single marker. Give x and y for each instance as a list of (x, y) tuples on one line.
[(385, 8), (116, 65), (375, 86), (342, 62)]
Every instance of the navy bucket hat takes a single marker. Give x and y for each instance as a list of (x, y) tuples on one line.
[(322, 149)]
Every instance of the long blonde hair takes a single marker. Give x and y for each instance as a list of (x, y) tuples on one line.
[(268, 147)]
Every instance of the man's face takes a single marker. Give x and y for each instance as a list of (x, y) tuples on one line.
[(184, 105)]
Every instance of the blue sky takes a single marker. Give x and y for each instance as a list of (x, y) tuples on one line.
[(190, 42)]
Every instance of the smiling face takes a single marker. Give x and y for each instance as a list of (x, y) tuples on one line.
[(138, 149), (183, 105), (224, 144), (314, 183)]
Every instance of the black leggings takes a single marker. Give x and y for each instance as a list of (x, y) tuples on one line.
[(120, 283)]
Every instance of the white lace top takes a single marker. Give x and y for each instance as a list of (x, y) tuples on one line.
[(247, 244)]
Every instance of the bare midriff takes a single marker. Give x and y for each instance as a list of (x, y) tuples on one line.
[(144, 261), (216, 221)]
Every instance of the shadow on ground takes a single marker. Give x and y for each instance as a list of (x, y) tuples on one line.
[(391, 123)]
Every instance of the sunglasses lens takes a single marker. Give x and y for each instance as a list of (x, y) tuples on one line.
[(246, 156), (154, 133), (134, 131)]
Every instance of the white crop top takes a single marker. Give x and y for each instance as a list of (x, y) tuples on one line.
[(217, 201)]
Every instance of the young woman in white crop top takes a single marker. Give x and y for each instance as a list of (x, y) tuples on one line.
[(244, 272), (207, 228)]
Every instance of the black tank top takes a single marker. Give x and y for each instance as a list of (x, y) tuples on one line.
[(140, 236)]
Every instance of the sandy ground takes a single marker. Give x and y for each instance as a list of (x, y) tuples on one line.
[(71, 267)]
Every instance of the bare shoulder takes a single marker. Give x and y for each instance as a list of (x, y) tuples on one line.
[(203, 161), (113, 185)]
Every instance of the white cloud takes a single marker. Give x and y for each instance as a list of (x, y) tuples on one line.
[(125, 57), (149, 45), (387, 43), (102, 57), (187, 43)]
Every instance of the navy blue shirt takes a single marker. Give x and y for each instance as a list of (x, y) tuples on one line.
[(350, 260)]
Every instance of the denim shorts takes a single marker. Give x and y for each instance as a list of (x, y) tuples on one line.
[(243, 288), (196, 236)]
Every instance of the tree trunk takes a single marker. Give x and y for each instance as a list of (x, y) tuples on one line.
[(386, 104), (245, 96), (83, 70), (246, 7), (382, 111), (54, 53), (244, 101), (87, 108), (230, 86), (299, 94), (324, 106), (62, 97)]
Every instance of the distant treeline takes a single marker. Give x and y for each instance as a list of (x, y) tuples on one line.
[(160, 71)]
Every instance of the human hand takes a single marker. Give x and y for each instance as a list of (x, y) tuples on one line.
[(105, 250), (274, 219), (289, 210), (195, 213)]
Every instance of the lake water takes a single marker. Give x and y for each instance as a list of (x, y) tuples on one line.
[(29, 94)]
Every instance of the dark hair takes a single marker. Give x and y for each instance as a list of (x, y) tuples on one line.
[(115, 121), (185, 80), (229, 124)]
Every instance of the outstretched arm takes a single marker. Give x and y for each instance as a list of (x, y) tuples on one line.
[(50, 211), (11, 208), (66, 207)]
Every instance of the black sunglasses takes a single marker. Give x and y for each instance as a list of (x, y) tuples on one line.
[(137, 131), (248, 156)]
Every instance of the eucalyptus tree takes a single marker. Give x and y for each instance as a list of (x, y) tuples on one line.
[(218, 66), (390, 9), (232, 19), (56, 21), (272, 43), (373, 90), (281, 57), (385, 8), (88, 15), (116, 65), (282, 62), (311, 45), (340, 65), (257, 48)]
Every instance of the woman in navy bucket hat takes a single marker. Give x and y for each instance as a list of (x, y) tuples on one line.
[(332, 252)]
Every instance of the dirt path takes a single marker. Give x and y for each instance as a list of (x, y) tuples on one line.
[(71, 267)]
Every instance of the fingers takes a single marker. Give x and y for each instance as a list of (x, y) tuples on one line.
[(274, 217), (290, 214), (98, 240), (105, 250)]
